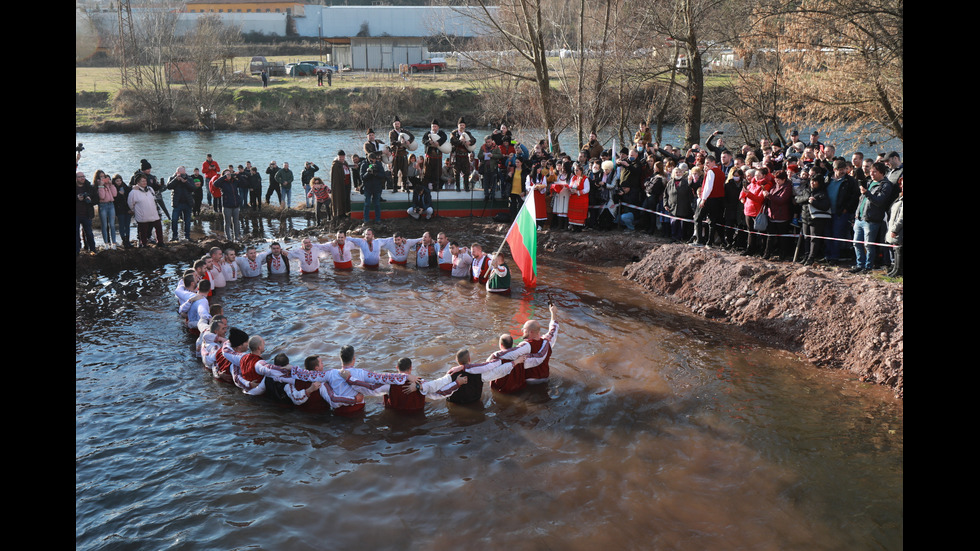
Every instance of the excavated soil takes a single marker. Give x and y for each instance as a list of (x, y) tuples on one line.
[(832, 318)]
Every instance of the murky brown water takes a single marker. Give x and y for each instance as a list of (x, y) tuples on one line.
[(657, 431)]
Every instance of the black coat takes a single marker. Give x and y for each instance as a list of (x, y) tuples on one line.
[(85, 200), (183, 191), (847, 196)]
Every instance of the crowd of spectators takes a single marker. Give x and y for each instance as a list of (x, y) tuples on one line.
[(798, 201)]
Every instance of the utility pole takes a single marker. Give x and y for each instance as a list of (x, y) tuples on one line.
[(127, 43)]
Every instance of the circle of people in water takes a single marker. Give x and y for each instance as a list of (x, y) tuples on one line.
[(233, 356)]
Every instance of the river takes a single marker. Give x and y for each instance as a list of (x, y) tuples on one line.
[(658, 430), (165, 151)]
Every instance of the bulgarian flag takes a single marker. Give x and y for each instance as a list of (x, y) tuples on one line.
[(523, 240)]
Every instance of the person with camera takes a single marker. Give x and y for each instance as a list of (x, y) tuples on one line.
[(421, 202), (271, 171), (285, 180), (630, 188), (228, 187), (719, 146), (85, 199), (373, 178), (182, 200), (870, 213)]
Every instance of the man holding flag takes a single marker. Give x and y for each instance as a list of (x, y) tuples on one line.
[(535, 349)]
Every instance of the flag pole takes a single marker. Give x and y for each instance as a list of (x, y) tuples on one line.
[(512, 224)]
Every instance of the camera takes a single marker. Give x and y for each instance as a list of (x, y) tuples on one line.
[(79, 148)]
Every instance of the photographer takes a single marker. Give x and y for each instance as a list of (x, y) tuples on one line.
[(285, 180), (271, 171), (373, 178), (85, 199), (182, 201), (630, 188), (421, 203)]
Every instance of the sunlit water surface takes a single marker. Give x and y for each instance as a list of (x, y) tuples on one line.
[(657, 430)]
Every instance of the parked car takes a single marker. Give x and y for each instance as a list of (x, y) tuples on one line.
[(273, 68), (300, 70), (436, 64), (321, 66)]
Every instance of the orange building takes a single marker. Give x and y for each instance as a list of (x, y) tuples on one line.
[(244, 6)]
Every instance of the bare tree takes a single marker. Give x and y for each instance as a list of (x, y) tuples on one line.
[(150, 48), (758, 96), (207, 49), (520, 31), (847, 63), (694, 26)]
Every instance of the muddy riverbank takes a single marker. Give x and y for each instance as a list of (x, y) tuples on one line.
[(832, 318)]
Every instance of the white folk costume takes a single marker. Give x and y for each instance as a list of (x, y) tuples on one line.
[(398, 254), (423, 253), (536, 354), (217, 277), (209, 347), (251, 368), (462, 263), (249, 268), (336, 391), (444, 257), (379, 384), (182, 294), (230, 270), (499, 280), (560, 202), (220, 366), (309, 260), (342, 259), (480, 269), (370, 251), (276, 264)]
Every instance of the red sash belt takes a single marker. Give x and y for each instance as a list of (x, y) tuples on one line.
[(349, 410)]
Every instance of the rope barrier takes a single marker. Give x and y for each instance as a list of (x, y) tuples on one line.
[(747, 231)]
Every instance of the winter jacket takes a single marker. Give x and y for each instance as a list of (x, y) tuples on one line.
[(874, 201), (896, 222)]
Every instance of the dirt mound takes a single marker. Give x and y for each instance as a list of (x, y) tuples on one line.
[(833, 318)]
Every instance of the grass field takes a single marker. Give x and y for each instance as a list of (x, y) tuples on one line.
[(107, 79)]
